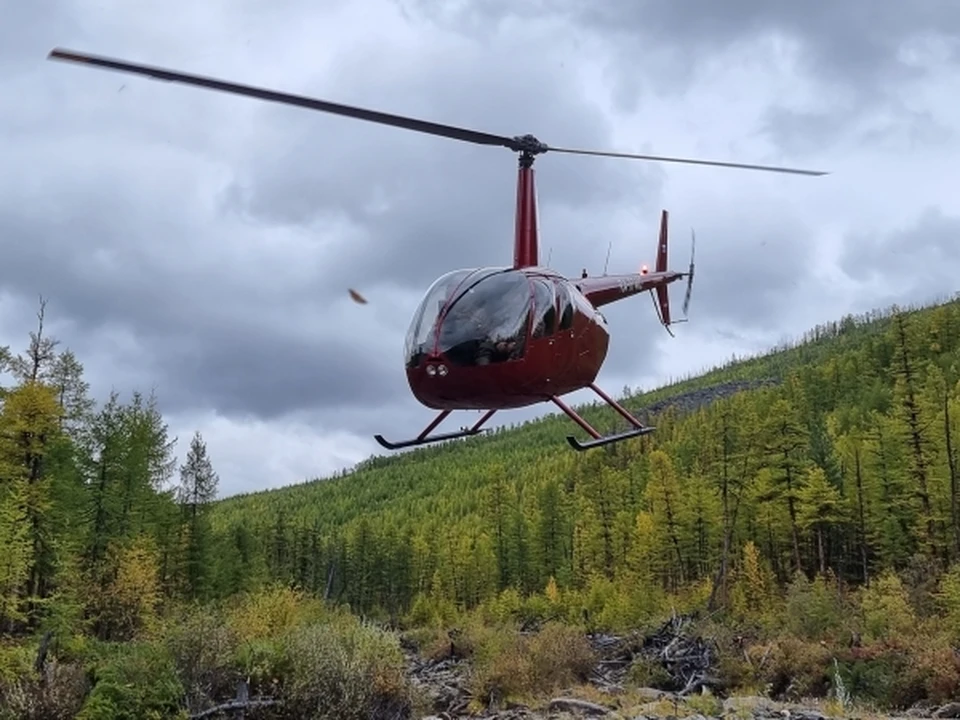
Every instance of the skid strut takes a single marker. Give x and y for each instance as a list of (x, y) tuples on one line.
[(600, 440), (425, 438)]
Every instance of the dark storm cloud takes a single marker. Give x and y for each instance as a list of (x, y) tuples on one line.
[(121, 249), (749, 263), (271, 377), (899, 129)]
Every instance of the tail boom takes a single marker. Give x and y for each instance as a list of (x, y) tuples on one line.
[(610, 288), (606, 289)]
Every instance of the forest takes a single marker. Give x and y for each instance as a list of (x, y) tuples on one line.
[(803, 505)]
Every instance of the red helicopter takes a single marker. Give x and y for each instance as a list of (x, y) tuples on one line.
[(497, 338)]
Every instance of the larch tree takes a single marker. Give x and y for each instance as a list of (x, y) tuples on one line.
[(197, 490)]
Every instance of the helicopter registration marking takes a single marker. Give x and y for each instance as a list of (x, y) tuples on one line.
[(628, 284)]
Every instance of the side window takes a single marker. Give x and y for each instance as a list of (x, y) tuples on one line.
[(544, 308), (566, 306)]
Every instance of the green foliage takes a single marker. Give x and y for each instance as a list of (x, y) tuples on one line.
[(886, 609), (813, 610), (949, 599), (807, 498), (134, 681), (345, 670)]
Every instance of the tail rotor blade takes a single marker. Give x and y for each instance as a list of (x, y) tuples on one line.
[(693, 247)]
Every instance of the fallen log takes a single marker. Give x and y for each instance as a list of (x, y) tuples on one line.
[(235, 705), (577, 705)]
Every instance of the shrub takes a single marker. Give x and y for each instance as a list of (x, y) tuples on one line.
[(137, 681), (508, 663), (204, 650), (271, 612), (813, 609), (886, 609), (645, 672), (345, 670), (793, 669), (56, 694)]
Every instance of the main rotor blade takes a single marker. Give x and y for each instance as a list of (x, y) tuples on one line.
[(157, 73), (527, 143), (659, 158)]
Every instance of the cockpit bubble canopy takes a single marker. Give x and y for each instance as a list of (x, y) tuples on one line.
[(482, 317)]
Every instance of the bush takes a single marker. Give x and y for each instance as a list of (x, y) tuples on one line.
[(886, 609), (793, 669), (813, 609), (508, 663), (137, 681), (345, 670), (204, 650), (56, 694)]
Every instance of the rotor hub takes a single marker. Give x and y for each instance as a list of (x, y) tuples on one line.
[(528, 145)]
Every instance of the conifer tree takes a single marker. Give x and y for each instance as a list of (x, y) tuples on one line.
[(197, 490)]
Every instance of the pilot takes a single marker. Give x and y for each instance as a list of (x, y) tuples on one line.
[(480, 330)]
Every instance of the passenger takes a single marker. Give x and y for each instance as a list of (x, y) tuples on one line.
[(508, 349)]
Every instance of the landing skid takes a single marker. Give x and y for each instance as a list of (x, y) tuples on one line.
[(600, 440), (425, 438)]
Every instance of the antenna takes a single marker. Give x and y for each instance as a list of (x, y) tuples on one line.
[(607, 261)]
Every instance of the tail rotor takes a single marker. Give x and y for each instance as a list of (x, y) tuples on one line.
[(693, 248)]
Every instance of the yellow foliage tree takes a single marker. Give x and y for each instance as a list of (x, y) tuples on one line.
[(29, 421), (948, 597), (15, 559), (752, 589), (128, 606)]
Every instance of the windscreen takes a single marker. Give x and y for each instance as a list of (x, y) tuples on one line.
[(423, 327), (487, 321)]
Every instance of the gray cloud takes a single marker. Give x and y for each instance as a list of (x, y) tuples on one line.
[(920, 260), (856, 43), (124, 249), (426, 205), (862, 52)]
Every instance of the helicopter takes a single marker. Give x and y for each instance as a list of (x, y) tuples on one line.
[(500, 337)]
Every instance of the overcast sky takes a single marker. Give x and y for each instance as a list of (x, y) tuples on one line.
[(203, 244)]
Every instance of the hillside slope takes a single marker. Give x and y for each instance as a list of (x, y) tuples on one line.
[(833, 457), (801, 510)]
